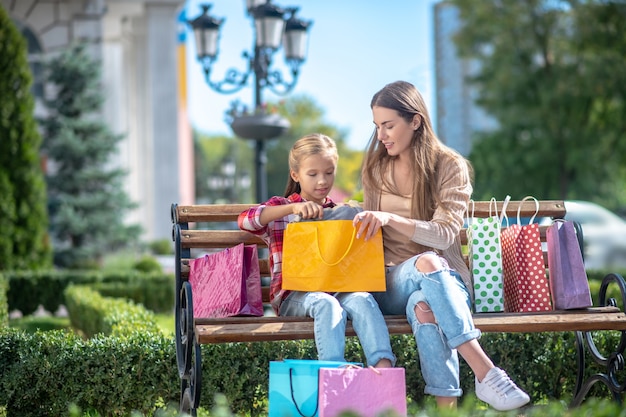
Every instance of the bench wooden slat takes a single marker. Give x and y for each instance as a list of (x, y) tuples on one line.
[(264, 268), (229, 212), (217, 239), (241, 329), (209, 213)]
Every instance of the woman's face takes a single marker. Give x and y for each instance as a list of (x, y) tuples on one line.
[(393, 131), (316, 176)]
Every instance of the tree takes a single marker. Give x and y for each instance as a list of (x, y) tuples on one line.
[(551, 73), (306, 117), (23, 217), (87, 202), (212, 153)]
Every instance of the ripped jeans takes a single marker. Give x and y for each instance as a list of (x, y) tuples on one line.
[(448, 298), (331, 312)]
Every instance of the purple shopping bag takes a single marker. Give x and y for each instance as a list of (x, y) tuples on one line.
[(227, 283), (367, 392), (568, 279)]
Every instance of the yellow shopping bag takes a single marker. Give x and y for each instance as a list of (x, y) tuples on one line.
[(326, 256)]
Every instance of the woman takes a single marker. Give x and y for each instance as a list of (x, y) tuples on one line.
[(417, 189)]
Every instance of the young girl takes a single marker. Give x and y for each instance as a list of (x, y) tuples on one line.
[(312, 167), (417, 189)]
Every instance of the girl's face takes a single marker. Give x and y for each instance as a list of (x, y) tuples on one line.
[(393, 131), (316, 176)]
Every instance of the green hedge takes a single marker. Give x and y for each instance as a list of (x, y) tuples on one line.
[(116, 374), (45, 372), (29, 289), (129, 365), (94, 314), (544, 364), (126, 364)]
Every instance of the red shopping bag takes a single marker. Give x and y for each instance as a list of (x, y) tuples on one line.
[(525, 284), (568, 279), (366, 392), (227, 283)]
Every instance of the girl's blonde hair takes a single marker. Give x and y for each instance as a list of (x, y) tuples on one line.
[(313, 144), (428, 152)]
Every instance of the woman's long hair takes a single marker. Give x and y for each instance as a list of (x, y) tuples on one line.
[(313, 144), (428, 152)]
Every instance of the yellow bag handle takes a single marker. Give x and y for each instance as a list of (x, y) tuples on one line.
[(319, 252)]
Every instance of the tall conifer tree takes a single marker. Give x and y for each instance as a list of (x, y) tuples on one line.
[(23, 217), (87, 201)]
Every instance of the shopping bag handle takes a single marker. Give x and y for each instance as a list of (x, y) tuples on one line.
[(293, 398), (493, 209), (319, 251), (519, 208)]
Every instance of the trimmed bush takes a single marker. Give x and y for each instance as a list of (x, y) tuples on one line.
[(45, 372), (29, 289)]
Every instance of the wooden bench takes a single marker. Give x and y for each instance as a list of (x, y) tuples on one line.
[(221, 232)]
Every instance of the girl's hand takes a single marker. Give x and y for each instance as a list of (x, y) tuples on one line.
[(308, 210), (368, 223)]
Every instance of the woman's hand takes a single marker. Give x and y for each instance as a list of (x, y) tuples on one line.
[(368, 223), (308, 210)]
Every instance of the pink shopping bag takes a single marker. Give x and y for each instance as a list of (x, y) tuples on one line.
[(367, 392), (568, 279), (227, 283)]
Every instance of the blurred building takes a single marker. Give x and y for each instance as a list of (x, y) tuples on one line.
[(458, 117), (143, 84)]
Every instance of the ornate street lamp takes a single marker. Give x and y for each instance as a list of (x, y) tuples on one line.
[(274, 27)]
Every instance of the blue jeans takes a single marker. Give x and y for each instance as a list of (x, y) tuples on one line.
[(330, 313), (450, 302)]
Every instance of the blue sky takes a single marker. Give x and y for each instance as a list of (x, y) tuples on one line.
[(355, 48)]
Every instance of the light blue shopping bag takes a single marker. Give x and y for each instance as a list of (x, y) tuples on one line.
[(293, 386)]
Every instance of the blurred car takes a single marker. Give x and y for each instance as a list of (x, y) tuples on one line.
[(604, 234)]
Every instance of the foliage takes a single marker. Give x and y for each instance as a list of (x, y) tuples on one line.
[(305, 117), (138, 370), (148, 263), (45, 372), (162, 247), (86, 198), (29, 289), (550, 72), (211, 153), (93, 314), (23, 218)]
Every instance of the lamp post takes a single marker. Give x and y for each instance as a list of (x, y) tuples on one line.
[(274, 27)]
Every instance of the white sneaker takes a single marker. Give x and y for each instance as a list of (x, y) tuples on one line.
[(500, 392)]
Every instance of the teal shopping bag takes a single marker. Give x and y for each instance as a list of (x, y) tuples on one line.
[(293, 387)]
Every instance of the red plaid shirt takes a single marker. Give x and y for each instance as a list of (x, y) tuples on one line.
[(272, 234)]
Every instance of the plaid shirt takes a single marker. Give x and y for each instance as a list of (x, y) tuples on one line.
[(272, 234)]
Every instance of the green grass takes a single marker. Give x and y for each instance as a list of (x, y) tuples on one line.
[(165, 323), (31, 324)]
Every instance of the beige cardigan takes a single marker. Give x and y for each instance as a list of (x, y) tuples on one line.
[(441, 233)]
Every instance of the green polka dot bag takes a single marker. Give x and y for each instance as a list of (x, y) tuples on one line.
[(485, 260)]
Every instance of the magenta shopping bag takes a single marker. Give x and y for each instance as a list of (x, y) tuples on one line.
[(366, 392), (568, 279), (227, 283)]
